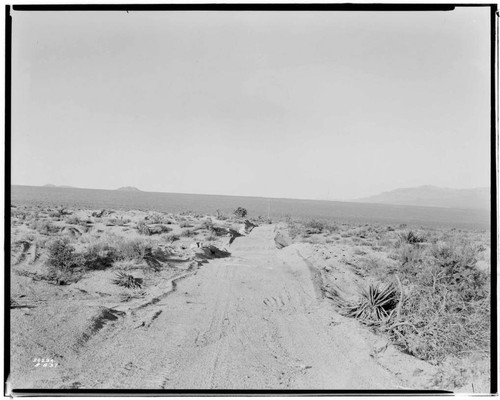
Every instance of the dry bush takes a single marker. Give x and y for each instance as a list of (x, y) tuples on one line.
[(320, 226), (65, 265), (44, 227), (171, 237), (207, 224), (240, 212), (211, 238), (143, 228), (117, 221), (72, 220), (119, 248), (188, 233), (156, 218)]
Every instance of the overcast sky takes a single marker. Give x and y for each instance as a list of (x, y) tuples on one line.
[(312, 105)]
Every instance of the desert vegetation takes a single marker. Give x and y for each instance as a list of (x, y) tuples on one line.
[(427, 290)]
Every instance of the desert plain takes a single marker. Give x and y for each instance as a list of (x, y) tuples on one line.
[(141, 299)]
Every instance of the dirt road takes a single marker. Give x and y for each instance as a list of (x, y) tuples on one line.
[(254, 320)]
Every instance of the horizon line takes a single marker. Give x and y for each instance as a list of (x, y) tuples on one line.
[(250, 196)]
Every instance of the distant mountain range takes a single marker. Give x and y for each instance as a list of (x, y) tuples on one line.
[(434, 196), (60, 186), (128, 189), (122, 189)]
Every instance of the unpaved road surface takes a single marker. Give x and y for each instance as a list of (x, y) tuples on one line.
[(255, 320)]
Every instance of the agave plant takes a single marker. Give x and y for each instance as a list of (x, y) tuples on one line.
[(126, 280)]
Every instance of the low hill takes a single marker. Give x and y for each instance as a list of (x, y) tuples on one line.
[(434, 196), (128, 189), (50, 185)]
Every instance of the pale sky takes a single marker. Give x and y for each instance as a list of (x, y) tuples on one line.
[(309, 105)]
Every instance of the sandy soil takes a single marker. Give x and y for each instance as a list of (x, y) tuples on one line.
[(254, 320)]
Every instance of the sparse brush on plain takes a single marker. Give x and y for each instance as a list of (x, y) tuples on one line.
[(320, 226), (127, 281)]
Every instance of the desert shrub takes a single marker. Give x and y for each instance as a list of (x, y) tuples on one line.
[(409, 237), (221, 215), (207, 224), (295, 229), (376, 267), (98, 257), (132, 249), (211, 238), (188, 233), (44, 227), (409, 256), (117, 221), (435, 323), (446, 308), (315, 225), (171, 237), (58, 212), (143, 228), (240, 212), (18, 213), (118, 248), (443, 301), (64, 263), (155, 218), (72, 220)]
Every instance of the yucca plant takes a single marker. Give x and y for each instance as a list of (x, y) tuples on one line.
[(374, 305), (409, 237), (126, 280)]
